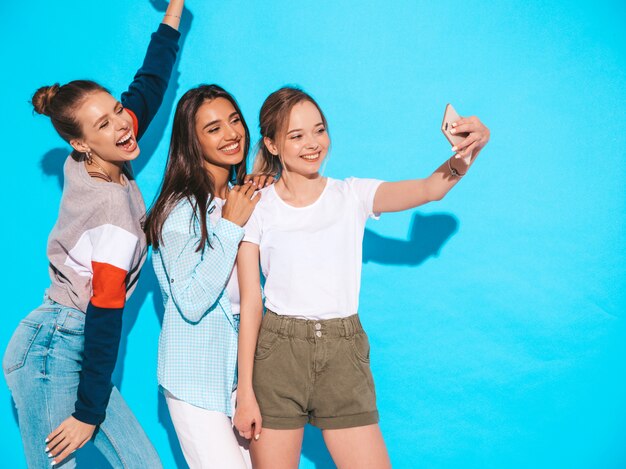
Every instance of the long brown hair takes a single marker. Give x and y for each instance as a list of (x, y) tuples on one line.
[(185, 175), (273, 122)]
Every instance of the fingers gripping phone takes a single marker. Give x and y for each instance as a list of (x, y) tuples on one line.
[(450, 116)]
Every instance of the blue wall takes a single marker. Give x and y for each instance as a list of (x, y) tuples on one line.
[(496, 316)]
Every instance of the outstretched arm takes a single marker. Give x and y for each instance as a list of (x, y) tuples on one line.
[(403, 195)]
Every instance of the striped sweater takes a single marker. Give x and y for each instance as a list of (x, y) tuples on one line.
[(97, 245)]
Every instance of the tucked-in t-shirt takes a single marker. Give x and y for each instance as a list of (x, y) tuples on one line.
[(232, 287), (311, 256)]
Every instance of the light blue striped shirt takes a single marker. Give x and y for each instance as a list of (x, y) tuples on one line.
[(198, 342)]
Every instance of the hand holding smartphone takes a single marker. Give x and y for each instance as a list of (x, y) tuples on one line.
[(450, 116)]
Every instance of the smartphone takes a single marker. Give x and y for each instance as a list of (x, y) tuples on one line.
[(449, 116)]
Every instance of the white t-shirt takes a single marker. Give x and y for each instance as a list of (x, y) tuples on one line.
[(232, 287), (311, 256)]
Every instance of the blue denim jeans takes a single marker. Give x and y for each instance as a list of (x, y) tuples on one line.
[(42, 365)]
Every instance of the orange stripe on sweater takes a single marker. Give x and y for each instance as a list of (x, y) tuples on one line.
[(109, 285)]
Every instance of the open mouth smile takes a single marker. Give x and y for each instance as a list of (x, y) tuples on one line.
[(127, 142)]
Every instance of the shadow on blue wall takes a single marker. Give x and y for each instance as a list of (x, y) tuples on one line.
[(52, 163), (427, 235)]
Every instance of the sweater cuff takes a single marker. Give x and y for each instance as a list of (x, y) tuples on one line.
[(168, 32), (88, 417)]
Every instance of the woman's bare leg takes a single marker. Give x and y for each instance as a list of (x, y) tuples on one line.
[(277, 449), (357, 448)]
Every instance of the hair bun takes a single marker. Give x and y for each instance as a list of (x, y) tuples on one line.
[(43, 97)]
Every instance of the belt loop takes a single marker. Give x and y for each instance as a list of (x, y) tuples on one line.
[(347, 327), (283, 326)]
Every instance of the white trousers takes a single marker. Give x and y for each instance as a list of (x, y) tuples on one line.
[(207, 438)]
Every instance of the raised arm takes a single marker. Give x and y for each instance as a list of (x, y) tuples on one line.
[(173, 13), (247, 415), (403, 195), (145, 94)]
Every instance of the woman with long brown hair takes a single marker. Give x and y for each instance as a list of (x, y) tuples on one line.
[(59, 362), (195, 227)]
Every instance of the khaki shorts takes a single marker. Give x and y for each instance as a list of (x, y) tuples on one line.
[(314, 372)]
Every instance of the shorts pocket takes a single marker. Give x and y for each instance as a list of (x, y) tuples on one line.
[(361, 347), (266, 344), (19, 345)]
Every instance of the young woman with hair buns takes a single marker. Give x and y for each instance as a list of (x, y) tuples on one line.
[(59, 362)]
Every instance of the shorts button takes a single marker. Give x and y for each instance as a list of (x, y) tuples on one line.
[(318, 326), (318, 333)]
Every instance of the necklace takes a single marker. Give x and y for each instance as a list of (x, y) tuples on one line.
[(103, 175)]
